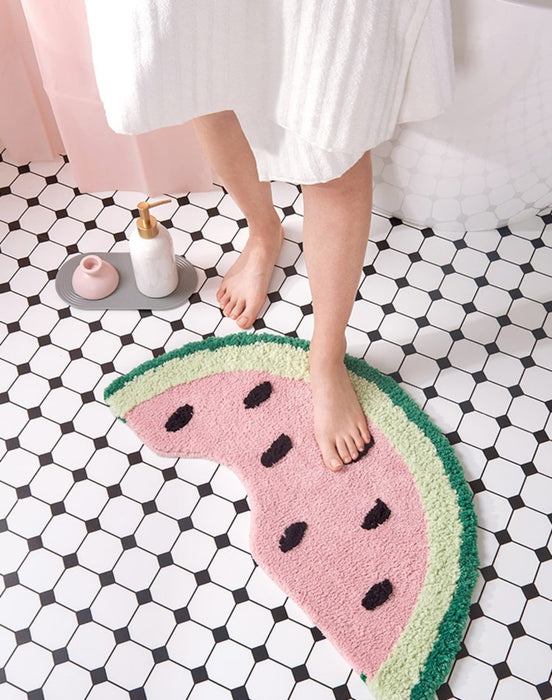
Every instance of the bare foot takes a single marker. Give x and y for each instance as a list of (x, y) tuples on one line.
[(245, 285), (339, 422)]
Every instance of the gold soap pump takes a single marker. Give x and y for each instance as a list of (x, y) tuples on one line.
[(152, 254), (147, 223)]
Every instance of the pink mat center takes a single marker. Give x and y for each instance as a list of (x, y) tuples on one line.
[(337, 561)]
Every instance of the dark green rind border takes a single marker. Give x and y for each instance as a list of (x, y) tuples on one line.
[(440, 660)]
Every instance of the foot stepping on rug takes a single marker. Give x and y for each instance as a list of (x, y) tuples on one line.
[(381, 555)]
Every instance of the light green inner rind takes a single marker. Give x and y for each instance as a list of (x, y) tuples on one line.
[(423, 655)]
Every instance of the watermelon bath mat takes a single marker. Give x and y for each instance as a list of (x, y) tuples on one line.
[(381, 555)]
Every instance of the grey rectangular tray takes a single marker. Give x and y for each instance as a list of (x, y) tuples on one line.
[(127, 295)]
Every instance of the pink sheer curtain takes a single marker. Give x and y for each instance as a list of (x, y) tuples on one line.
[(52, 106)]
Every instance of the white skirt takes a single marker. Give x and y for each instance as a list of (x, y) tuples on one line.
[(314, 83)]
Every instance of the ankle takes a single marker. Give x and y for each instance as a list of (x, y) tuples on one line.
[(264, 226), (326, 352)]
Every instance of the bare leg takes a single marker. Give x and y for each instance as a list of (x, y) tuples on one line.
[(335, 232), (244, 287)]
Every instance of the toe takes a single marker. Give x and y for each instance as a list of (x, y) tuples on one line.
[(359, 441), (330, 456), (351, 446), (244, 321), (238, 309), (229, 307), (343, 450)]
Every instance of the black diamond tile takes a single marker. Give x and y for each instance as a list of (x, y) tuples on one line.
[(515, 390), (70, 560), (107, 578), (45, 459), (114, 490), (134, 458), (541, 436), (12, 443), (79, 475), (516, 630), (11, 579), (444, 363), (479, 377), (529, 468), (60, 656), (503, 421), (526, 268), (227, 247), (543, 554), (289, 271), (545, 690), (47, 597), (306, 309), (445, 693), (199, 674), (515, 293), (23, 491), (395, 221), (57, 508), (240, 595), (279, 614), (317, 634), (422, 322), (23, 636), (222, 541), (516, 502), (23, 368), (374, 336), (169, 474), (260, 653), (160, 654), (98, 675), (67, 428), (34, 543), (205, 489), (528, 362), (503, 537), (240, 693), (300, 673), (181, 615), (84, 616), (55, 382), (137, 694), (128, 542), (475, 611), (342, 693), (185, 524), (107, 367), (93, 525), (33, 300), (210, 272), (477, 486), (488, 573), (88, 397), (220, 634), (75, 353), (149, 507), (241, 506), (388, 309), (259, 324), (491, 348), (530, 591), (502, 670), (409, 349), (165, 559), (202, 577), (100, 442), (121, 635), (466, 407), (143, 596)]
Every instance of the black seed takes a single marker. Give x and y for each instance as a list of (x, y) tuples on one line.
[(377, 595), (279, 449), (377, 515), (367, 446), (257, 395), (292, 536), (180, 418)]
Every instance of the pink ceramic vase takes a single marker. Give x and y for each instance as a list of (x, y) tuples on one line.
[(95, 278)]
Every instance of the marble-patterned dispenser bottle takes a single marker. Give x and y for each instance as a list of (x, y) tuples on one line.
[(152, 254)]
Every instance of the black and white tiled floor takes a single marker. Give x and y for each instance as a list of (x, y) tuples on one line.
[(126, 575)]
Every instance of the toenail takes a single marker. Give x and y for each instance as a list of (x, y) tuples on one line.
[(335, 463)]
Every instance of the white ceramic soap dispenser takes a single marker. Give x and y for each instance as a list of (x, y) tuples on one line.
[(152, 254)]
